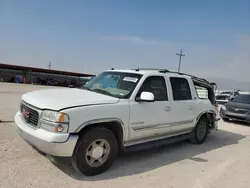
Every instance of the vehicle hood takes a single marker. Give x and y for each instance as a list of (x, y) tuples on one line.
[(57, 99), (236, 105)]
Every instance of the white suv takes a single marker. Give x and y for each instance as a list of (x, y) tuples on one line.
[(117, 110)]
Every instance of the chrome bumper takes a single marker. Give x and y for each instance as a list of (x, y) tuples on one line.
[(56, 144)]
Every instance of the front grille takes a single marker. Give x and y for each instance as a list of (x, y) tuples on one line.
[(237, 111), (31, 116)]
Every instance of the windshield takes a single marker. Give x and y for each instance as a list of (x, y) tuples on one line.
[(242, 99), (116, 84)]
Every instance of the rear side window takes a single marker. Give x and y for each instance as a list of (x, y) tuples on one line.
[(180, 88)]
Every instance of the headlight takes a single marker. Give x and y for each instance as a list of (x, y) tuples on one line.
[(223, 108), (54, 121), (56, 117)]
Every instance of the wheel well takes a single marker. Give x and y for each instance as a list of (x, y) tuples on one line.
[(115, 127), (209, 117)]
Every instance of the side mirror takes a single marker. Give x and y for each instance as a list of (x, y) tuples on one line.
[(146, 97)]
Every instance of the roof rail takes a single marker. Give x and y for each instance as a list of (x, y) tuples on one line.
[(153, 69), (180, 73), (193, 77)]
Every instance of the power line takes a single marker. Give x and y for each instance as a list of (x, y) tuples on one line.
[(180, 57)]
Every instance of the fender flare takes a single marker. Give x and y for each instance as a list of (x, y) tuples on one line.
[(205, 112), (103, 120)]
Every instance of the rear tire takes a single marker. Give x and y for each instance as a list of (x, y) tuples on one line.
[(200, 132), (95, 151)]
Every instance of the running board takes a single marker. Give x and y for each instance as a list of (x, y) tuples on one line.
[(157, 143)]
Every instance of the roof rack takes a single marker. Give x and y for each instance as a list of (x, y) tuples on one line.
[(193, 77), (180, 73), (153, 69)]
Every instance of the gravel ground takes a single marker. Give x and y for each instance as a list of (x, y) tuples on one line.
[(222, 161)]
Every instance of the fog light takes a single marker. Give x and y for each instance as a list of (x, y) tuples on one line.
[(59, 128)]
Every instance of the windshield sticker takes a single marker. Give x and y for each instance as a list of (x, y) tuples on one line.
[(130, 79)]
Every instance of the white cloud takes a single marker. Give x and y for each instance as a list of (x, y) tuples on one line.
[(133, 39)]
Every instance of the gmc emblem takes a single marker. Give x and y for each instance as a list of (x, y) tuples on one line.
[(26, 114)]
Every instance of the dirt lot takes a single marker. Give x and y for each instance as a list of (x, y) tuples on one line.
[(223, 161)]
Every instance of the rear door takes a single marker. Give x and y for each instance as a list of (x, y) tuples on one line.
[(183, 105)]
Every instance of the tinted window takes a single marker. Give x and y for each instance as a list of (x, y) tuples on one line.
[(155, 85), (242, 99), (181, 89)]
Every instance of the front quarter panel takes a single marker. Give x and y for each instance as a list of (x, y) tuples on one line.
[(80, 116)]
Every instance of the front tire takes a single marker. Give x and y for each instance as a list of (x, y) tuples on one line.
[(95, 151), (200, 132)]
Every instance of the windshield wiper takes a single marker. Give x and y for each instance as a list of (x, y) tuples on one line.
[(101, 91)]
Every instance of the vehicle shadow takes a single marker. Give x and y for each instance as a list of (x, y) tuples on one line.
[(135, 163)]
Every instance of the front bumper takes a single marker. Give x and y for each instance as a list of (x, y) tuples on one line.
[(234, 116), (55, 144)]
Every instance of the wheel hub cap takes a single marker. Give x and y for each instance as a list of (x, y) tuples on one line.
[(97, 152)]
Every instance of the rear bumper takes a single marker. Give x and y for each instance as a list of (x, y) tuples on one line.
[(56, 144), (234, 116)]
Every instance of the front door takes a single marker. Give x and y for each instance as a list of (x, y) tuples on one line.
[(151, 119)]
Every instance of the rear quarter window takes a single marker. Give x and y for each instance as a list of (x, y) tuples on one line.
[(201, 92)]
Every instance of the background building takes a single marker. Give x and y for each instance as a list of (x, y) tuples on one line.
[(33, 75)]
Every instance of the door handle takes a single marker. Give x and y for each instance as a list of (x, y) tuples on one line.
[(168, 108), (190, 107)]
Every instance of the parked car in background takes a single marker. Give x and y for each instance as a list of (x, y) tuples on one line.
[(224, 96), (237, 109)]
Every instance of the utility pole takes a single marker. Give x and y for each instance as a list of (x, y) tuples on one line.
[(180, 56), (49, 65)]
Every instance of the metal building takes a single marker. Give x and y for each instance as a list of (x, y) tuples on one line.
[(33, 75)]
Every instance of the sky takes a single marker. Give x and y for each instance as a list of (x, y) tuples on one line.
[(94, 35)]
